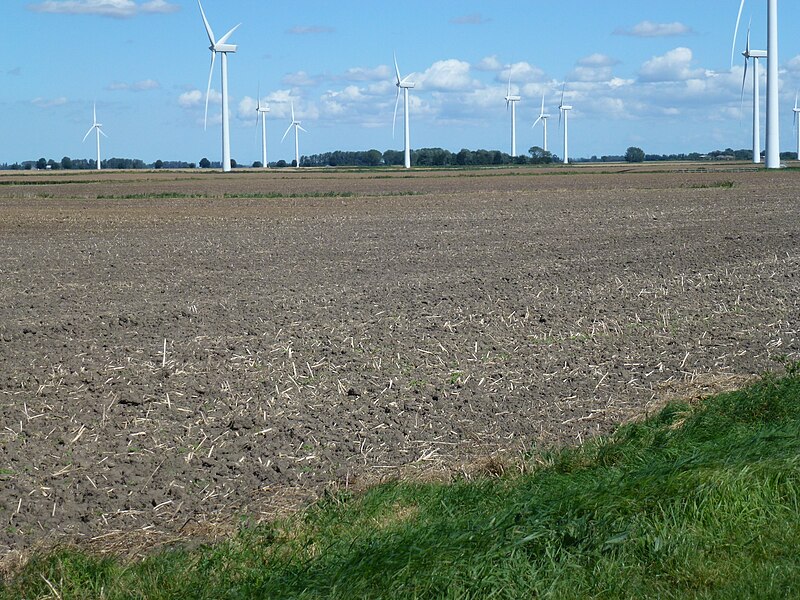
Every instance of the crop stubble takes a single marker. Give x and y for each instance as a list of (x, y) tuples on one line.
[(368, 327)]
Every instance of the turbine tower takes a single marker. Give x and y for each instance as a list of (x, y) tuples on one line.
[(773, 100), (543, 116), (564, 111), (220, 46), (755, 55), (261, 113), (405, 85), (97, 127), (297, 127), (512, 102), (796, 111)]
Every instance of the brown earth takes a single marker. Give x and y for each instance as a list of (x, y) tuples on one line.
[(338, 328)]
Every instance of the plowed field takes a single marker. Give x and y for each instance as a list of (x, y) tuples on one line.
[(181, 349)]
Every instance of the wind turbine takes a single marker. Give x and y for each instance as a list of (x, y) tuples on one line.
[(543, 116), (773, 100), (405, 85), (755, 55), (297, 127), (261, 113), (796, 111), (564, 111), (512, 102), (97, 127), (220, 46)]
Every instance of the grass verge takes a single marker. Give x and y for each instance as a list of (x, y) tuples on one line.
[(701, 501)]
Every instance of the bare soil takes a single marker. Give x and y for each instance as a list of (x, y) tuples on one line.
[(179, 350)]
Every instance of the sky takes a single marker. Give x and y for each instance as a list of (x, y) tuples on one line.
[(656, 75)]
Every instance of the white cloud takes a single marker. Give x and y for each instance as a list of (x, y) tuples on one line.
[(447, 75), (189, 99), (793, 66), (675, 65), (650, 29), (246, 111), (137, 86), (520, 72), (310, 30), (107, 8), (490, 63), (45, 103), (471, 19), (597, 60), (363, 74), (299, 79)]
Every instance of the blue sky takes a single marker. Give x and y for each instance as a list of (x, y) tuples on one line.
[(650, 74)]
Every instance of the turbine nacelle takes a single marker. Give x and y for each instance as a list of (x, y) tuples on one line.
[(224, 47)]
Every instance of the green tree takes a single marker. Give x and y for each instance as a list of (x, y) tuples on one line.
[(540, 156), (634, 155), (41, 163), (66, 162), (159, 164), (257, 164), (373, 158), (205, 163)]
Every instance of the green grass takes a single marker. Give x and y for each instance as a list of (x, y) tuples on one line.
[(697, 502)]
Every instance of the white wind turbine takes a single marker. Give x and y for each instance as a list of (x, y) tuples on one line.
[(223, 48), (564, 111), (261, 113), (543, 116), (405, 85), (97, 127), (297, 128), (773, 154), (512, 102), (796, 111), (755, 55)]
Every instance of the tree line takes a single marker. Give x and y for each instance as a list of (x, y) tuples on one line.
[(421, 157)]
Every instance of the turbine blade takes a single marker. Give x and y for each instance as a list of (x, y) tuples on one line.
[(744, 78), (88, 132), (396, 69), (795, 99), (396, 104), (208, 89), (205, 22), (102, 132), (563, 88), (747, 46), (536, 122), (225, 37), (292, 112), (542, 113), (736, 31), (287, 132), (94, 113), (300, 127), (509, 83)]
